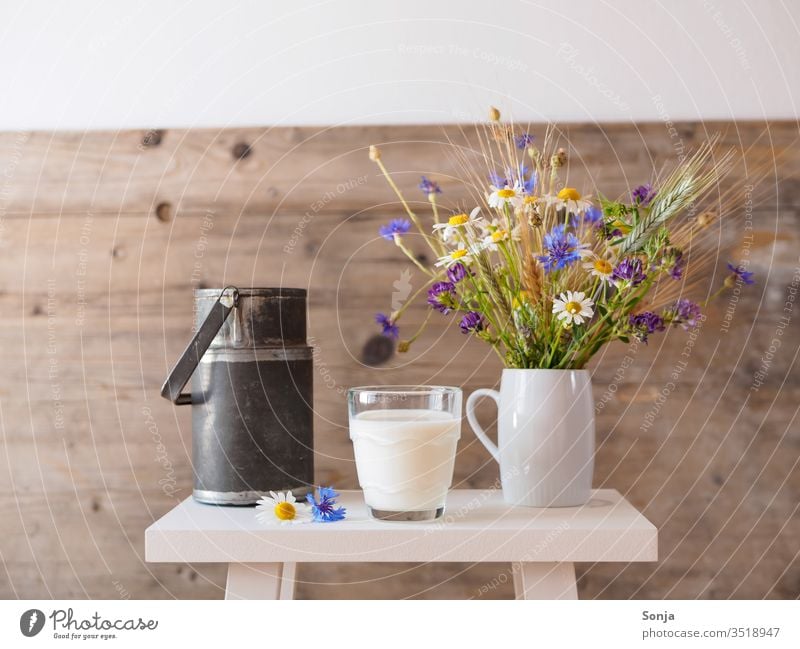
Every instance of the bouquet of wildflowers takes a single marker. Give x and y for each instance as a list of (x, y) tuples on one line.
[(545, 274)]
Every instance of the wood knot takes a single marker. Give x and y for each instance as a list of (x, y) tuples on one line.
[(152, 138), (241, 150), (377, 350), (164, 211)]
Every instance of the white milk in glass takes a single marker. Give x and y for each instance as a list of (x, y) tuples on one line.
[(405, 458)]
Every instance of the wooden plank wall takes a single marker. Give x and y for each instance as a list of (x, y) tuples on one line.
[(103, 235)]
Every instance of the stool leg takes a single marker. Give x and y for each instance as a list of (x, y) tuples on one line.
[(288, 580), (544, 580), (260, 581)]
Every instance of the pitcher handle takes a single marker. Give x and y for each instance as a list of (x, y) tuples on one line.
[(473, 420)]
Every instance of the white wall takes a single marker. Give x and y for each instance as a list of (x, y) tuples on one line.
[(100, 64)]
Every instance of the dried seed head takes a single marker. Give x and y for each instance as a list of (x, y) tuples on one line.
[(705, 219), (374, 153), (403, 346), (494, 114)]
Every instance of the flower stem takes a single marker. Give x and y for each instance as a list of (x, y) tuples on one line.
[(412, 257)]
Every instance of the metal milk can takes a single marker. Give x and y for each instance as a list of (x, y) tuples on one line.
[(251, 394)]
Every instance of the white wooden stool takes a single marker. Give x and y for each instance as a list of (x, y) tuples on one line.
[(541, 544)]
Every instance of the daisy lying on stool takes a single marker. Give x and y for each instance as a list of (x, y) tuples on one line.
[(283, 508)]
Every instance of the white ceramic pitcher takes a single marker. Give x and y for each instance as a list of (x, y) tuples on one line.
[(545, 436)]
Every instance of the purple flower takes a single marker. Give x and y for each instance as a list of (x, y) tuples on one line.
[(457, 272), (472, 321), (738, 273), (643, 194), (523, 140), (394, 227), (440, 297), (629, 270), (562, 247), (672, 261), (685, 313), (644, 323), (390, 329), (429, 186), (323, 507), (676, 272)]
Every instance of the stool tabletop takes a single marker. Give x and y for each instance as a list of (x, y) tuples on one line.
[(477, 526)]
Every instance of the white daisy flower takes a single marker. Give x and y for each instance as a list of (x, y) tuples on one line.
[(460, 254), (513, 196), (496, 234), (599, 267), (449, 230), (570, 199), (282, 508), (491, 240), (573, 307)]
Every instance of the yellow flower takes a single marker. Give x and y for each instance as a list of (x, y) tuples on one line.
[(621, 226), (522, 298), (569, 194)]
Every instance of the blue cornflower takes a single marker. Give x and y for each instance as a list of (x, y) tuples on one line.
[(562, 247), (323, 507), (472, 321), (499, 181), (429, 186), (529, 183), (643, 194), (397, 227), (523, 140), (440, 297), (592, 216), (390, 329), (739, 273), (513, 177), (645, 323), (629, 270), (457, 272)]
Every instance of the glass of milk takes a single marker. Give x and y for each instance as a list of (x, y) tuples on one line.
[(405, 439)]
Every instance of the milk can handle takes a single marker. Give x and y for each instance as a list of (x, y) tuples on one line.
[(186, 365)]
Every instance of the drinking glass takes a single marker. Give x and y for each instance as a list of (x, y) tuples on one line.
[(405, 438)]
